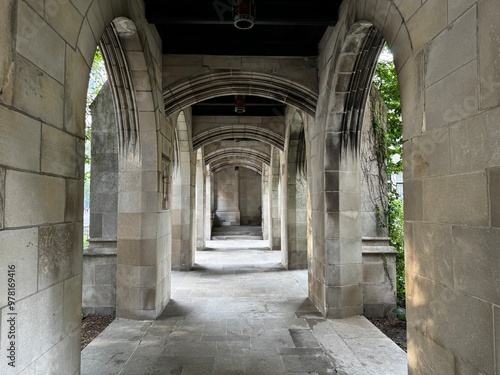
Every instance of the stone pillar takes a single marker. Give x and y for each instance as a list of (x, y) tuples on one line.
[(294, 211), (183, 199), (227, 197), (208, 204), (200, 201), (99, 261), (274, 200), (266, 215)]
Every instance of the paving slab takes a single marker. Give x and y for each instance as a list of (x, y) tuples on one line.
[(240, 312)]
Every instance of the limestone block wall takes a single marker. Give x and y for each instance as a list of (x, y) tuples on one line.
[(250, 195)]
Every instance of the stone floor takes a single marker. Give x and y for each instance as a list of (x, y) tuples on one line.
[(239, 312)]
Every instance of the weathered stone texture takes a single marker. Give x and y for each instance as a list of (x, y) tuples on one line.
[(454, 98), (42, 316), (494, 186), (56, 254), (442, 55), (427, 22), (43, 204), (489, 47), (35, 91), (476, 253), (19, 141), (7, 46), (39, 43), (456, 199), (20, 248), (58, 152)]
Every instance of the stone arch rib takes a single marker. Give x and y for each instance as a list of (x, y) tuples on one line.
[(233, 131), (238, 154), (127, 118), (223, 164), (369, 42), (230, 82)]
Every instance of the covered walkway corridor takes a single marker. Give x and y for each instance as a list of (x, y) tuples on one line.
[(240, 312)]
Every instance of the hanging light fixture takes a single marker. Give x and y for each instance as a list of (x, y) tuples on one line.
[(244, 14), (240, 104)]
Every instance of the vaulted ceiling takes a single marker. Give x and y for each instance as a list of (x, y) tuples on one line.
[(205, 27)]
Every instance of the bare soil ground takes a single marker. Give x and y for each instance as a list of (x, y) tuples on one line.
[(92, 325), (393, 328)]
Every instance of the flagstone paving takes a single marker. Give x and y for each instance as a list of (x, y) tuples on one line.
[(240, 312)]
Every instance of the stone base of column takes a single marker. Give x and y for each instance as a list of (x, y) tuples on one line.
[(379, 277), (99, 277), (227, 218)]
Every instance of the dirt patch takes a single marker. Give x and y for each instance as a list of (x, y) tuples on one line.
[(92, 325), (393, 328)]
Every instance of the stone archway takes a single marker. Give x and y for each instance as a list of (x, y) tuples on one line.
[(42, 105)]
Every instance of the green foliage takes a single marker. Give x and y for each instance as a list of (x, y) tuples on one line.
[(396, 235), (386, 82)]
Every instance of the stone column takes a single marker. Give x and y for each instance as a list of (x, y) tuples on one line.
[(294, 212), (266, 216), (208, 204), (200, 201), (274, 200)]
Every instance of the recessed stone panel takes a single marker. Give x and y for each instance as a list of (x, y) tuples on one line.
[(56, 254)]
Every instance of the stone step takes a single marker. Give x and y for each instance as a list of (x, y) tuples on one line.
[(240, 232), (240, 237)]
